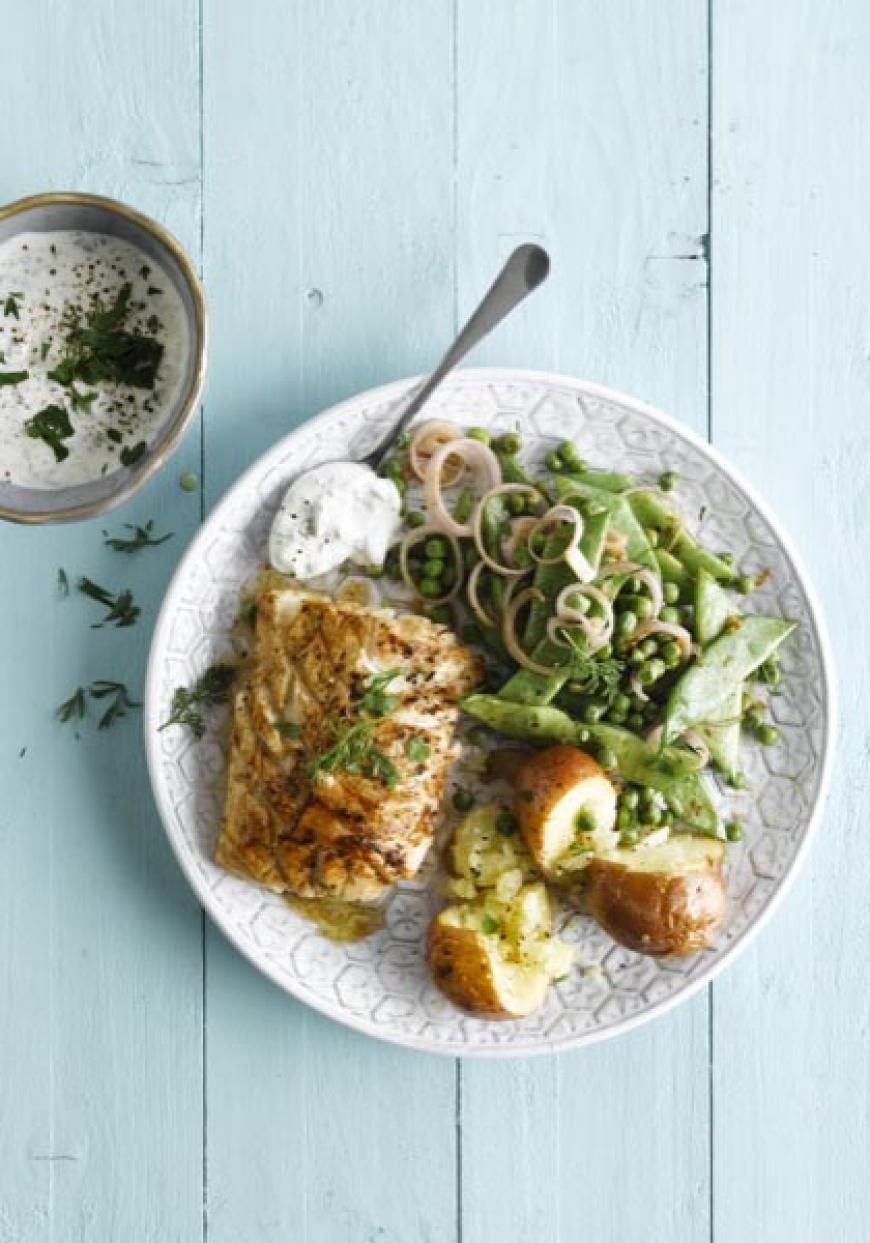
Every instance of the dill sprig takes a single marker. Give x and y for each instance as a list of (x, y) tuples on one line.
[(120, 701), (72, 708), (142, 537), (353, 749), (211, 687), (590, 675), (121, 609)]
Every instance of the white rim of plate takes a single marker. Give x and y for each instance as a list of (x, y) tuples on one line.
[(534, 1047)]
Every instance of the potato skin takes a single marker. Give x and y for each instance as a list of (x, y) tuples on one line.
[(543, 780), (463, 970), (656, 912)]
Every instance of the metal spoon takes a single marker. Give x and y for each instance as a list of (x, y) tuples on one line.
[(526, 269)]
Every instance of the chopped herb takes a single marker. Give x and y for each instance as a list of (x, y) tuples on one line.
[(10, 306), (43, 350), (375, 702), (12, 377), (129, 457), (62, 583), (211, 687), (354, 751), (114, 435), (121, 609), (488, 925), (417, 750), (288, 729), (73, 707), (589, 675), (120, 697), (506, 823), (141, 538), (103, 350), (81, 401), (52, 425)]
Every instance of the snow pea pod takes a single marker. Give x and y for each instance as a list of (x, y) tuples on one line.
[(622, 519), (610, 481), (673, 571), (512, 471), (673, 771), (651, 511), (721, 669), (721, 731)]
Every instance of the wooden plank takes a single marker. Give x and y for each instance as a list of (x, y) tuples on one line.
[(334, 275), (100, 977), (790, 330), (584, 126)]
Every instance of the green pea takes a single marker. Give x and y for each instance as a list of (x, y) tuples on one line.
[(435, 547), (754, 714), (516, 503), (642, 606), (770, 672), (433, 568), (620, 703), (463, 800), (188, 482), (625, 623), (634, 721), (734, 830), (767, 735), (479, 433), (585, 821), (415, 519), (670, 615), (509, 443), (668, 481), (478, 735), (653, 815), (430, 588), (629, 837), (652, 536), (745, 584), (623, 818), (671, 653), (593, 712), (442, 615), (671, 593), (630, 798), (399, 483), (615, 717), (649, 647), (650, 671), (567, 451), (738, 781), (636, 656), (554, 462), (607, 758), (506, 823)]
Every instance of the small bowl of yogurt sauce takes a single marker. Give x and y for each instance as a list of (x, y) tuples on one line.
[(103, 345)]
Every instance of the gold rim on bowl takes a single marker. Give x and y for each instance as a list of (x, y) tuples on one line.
[(174, 430)]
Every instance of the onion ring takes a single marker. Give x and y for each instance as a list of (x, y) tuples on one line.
[(428, 437), (646, 628), (508, 633), (482, 462), (571, 552), (503, 489)]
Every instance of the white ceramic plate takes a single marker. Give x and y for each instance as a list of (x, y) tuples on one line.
[(380, 985)]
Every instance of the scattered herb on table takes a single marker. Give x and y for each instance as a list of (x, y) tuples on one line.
[(62, 583), (142, 537), (120, 701), (52, 425), (211, 687), (121, 609), (8, 378), (74, 707)]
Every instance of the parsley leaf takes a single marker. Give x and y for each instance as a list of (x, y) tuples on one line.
[(211, 687), (129, 457), (73, 707), (103, 350), (288, 729), (417, 750), (121, 701), (52, 425), (10, 306)]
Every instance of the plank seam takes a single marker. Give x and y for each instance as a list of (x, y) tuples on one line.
[(711, 1078), (203, 929)]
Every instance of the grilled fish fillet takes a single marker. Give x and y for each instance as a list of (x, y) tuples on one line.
[(332, 832)]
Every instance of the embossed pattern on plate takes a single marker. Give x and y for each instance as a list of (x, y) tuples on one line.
[(381, 985)]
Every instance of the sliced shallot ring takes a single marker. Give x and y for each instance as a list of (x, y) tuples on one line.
[(598, 630), (508, 633), (471, 587), (428, 437), (482, 463), (571, 553), (634, 683), (503, 489), (417, 536), (592, 627), (646, 628), (521, 529), (645, 575)]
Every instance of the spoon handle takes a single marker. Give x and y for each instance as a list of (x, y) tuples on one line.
[(526, 269)]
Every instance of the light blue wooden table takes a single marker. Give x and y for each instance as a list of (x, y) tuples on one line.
[(349, 174)]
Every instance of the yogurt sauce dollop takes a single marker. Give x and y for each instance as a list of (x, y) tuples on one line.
[(341, 511)]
